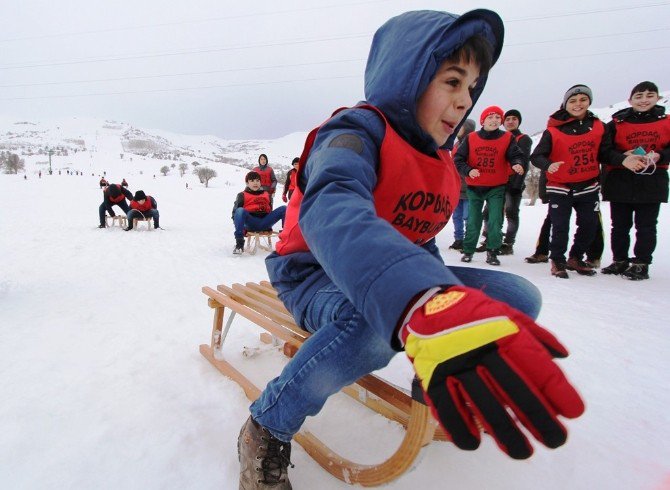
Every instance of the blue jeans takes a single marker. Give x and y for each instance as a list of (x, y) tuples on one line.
[(460, 217), (134, 213), (243, 219), (105, 206), (343, 347)]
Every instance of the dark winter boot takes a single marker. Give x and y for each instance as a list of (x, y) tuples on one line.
[(507, 249), (537, 259), (264, 459), (558, 269), (457, 245), (592, 263), (239, 246), (466, 258), (579, 266), (492, 257), (481, 248), (636, 272), (617, 267)]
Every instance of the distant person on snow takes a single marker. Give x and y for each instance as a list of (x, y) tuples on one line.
[(636, 190), (113, 195), (103, 183), (124, 183), (252, 211), (142, 206), (268, 179), (289, 184)]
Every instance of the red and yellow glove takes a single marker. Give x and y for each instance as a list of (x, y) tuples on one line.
[(476, 359)]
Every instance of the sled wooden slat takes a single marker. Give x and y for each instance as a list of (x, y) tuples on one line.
[(259, 304)]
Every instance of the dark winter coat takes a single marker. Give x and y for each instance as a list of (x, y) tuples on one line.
[(620, 184), (516, 182), (124, 191)]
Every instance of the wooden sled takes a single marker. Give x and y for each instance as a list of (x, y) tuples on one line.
[(148, 221), (259, 304), (258, 239), (121, 220)]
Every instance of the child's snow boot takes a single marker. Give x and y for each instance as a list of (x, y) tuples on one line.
[(617, 267), (492, 257), (264, 459), (636, 272), (558, 269)]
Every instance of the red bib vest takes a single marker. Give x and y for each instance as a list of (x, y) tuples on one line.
[(579, 154), (118, 198), (266, 175), (142, 207), (291, 180), (415, 193), (257, 203), (488, 156), (650, 136)]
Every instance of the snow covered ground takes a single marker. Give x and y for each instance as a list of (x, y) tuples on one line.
[(103, 386)]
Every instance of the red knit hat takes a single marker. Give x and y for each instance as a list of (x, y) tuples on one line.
[(494, 109)]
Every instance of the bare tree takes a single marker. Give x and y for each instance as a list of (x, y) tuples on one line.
[(182, 169), (13, 164), (205, 174), (165, 169)]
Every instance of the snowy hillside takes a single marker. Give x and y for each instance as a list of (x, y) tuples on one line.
[(114, 140)]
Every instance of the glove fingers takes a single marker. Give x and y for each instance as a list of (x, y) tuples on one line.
[(451, 410), (490, 409), (547, 339), (526, 401), (541, 372)]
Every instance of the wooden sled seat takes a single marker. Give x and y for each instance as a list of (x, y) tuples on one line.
[(259, 304), (148, 221), (259, 239), (119, 220)]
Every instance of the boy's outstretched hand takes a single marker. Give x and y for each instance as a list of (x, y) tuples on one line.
[(476, 358)]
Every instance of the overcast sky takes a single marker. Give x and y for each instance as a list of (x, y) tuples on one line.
[(264, 69)]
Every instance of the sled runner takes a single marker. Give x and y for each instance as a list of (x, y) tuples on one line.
[(259, 304), (121, 220), (148, 221)]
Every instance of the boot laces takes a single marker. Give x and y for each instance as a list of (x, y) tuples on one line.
[(276, 460)]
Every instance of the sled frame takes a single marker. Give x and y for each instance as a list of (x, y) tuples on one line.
[(258, 303)]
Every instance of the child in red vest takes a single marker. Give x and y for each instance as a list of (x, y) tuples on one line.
[(268, 179), (358, 267), (143, 206), (636, 189), (113, 195), (253, 210), (486, 158), (569, 152), (289, 184)]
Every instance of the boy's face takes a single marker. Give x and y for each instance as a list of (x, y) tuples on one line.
[(511, 123), (446, 99), (262, 161), (254, 185), (295, 165), (492, 122), (643, 101), (577, 105), (142, 201)]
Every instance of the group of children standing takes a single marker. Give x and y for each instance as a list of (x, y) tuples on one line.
[(577, 154)]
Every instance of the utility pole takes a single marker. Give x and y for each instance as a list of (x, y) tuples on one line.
[(51, 152)]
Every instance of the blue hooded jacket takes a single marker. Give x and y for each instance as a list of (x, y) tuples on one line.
[(351, 249)]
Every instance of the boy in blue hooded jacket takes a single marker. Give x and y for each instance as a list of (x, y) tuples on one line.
[(358, 267)]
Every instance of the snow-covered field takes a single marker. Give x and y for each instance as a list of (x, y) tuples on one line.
[(103, 386)]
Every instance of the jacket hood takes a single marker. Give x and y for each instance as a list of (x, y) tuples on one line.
[(405, 54), (562, 117)]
